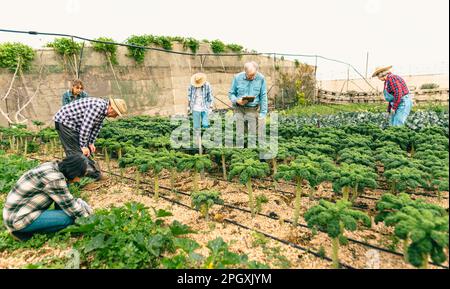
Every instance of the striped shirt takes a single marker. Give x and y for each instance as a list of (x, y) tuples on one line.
[(34, 192), (84, 116), (396, 86)]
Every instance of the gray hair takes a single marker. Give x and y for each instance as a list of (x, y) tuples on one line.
[(251, 65)]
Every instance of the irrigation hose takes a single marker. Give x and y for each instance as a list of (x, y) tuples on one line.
[(187, 53), (263, 215)]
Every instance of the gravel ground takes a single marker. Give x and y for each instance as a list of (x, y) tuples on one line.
[(115, 191)]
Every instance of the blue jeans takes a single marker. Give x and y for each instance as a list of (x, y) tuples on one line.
[(48, 222), (403, 110), (200, 118)]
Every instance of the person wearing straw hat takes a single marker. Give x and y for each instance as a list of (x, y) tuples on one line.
[(79, 123), (396, 93), (200, 100)]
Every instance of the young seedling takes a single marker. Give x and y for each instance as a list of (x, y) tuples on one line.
[(335, 219), (299, 171), (260, 200), (248, 170), (203, 201)]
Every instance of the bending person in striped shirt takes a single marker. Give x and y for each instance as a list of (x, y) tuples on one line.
[(396, 92), (26, 210), (79, 123)]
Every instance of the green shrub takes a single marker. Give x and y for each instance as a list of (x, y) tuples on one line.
[(136, 52), (218, 46), (429, 86), (109, 49), (191, 43), (236, 48), (11, 53), (65, 46)]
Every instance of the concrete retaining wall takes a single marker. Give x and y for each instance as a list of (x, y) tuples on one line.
[(157, 87)]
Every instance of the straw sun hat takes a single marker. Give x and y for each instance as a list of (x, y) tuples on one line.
[(381, 69), (119, 105), (198, 79)]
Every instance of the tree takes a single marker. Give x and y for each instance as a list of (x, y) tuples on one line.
[(248, 170), (335, 219), (17, 58)]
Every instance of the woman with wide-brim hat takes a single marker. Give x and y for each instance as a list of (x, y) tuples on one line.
[(396, 92), (200, 100)]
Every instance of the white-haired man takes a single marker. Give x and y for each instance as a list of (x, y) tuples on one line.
[(248, 94)]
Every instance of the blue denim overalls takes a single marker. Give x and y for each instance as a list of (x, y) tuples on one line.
[(403, 110)]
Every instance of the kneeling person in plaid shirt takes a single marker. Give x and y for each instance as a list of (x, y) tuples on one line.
[(27, 205), (78, 125)]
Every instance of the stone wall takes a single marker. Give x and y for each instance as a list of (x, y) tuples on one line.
[(157, 87)]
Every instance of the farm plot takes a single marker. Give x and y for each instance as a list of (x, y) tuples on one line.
[(332, 197)]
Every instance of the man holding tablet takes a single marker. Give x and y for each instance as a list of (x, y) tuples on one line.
[(248, 94)]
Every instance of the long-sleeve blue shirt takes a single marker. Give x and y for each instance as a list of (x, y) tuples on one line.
[(257, 87)]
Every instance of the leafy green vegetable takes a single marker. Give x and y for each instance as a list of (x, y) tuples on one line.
[(248, 170), (203, 201), (335, 219)]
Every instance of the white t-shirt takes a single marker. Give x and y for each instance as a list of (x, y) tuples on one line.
[(198, 102)]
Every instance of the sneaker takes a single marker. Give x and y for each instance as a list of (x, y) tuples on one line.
[(20, 237)]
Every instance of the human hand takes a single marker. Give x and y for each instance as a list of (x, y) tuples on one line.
[(241, 101), (86, 151), (92, 148), (85, 206)]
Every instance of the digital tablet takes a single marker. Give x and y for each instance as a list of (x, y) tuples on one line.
[(249, 98)]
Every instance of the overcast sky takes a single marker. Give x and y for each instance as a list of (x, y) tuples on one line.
[(412, 35)]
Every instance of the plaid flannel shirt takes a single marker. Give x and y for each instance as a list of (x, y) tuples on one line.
[(208, 97), (396, 86), (34, 192), (68, 97), (84, 116)]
